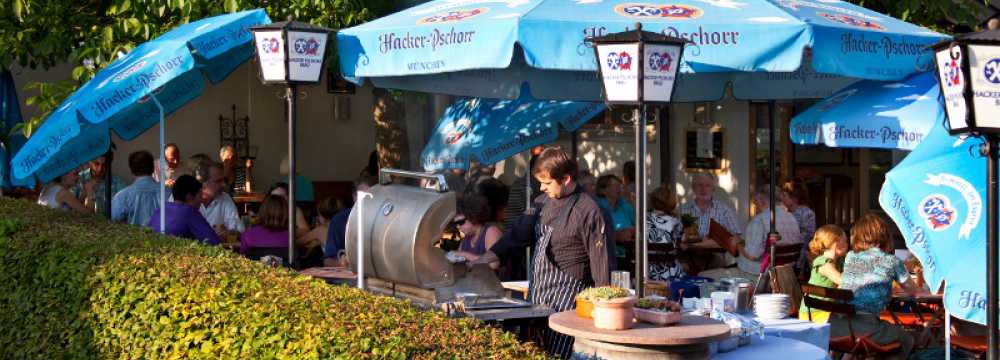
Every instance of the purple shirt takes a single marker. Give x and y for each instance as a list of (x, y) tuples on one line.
[(185, 221), (260, 236)]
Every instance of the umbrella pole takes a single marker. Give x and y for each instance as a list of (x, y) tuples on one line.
[(290, 96), (640, 196), (108, 158), (162, 165), (772, 236), (991, 247)]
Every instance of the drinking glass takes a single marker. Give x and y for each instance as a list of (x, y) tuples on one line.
[(621, 279)]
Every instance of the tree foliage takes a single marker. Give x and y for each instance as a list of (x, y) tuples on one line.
[(93, 33), (941, 15)]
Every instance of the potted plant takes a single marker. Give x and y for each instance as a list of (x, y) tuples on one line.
[(612, 308), (657, 311), (584, 307), (690, 224)]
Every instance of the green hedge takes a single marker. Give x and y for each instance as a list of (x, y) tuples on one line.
[(75, 287)]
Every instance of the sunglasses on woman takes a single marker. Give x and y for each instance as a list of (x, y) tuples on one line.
[(458, 222)]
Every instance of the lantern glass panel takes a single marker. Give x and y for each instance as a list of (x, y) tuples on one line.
[(305, 55), (619, 71), (952, 83), (271, 53), (984, 66), (660, 71)]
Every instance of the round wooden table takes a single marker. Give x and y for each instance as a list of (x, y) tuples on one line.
[(688, 339)]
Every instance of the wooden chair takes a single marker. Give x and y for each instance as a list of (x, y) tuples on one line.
[(975, 346), (837, 301), (784, 281), (787, 254)]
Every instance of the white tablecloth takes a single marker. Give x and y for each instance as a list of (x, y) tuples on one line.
[(801, 330), (772, 348)]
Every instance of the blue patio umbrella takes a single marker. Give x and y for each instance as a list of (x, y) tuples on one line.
[(136, 91), (491, 130), (489, 48), (10, 116), (872, 114), (936, 196)]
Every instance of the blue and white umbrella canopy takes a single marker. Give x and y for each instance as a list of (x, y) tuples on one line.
[(491, 130), (873, 114), (126, 96), (488, 48), (936, 196)]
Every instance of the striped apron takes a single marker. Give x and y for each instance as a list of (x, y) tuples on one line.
[(552, 287)]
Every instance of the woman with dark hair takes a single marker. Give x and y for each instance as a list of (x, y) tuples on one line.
[(869, 270), (478, 232), (271, 230), (301, 225), (665, 228)]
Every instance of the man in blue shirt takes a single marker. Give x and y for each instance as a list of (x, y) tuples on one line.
[(135, 203), (183, 218), (335, 237)]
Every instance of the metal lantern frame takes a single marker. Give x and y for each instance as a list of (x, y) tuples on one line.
[(641, 39), (286, 27), (957, 50)]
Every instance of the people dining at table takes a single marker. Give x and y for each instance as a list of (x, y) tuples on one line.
[(335, 237), (172, 167), (271, 230), (827, 247), (706, 208), (57, 194), (182, 216), (135, 203), (218, 207), (611, 201), (665, 228), (794, 195), (325, 211), (235, 173), (869, 270), (479, 233), (301, 225), (91, 186), (752, 245)]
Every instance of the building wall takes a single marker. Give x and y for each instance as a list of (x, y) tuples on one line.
[(732, 117)]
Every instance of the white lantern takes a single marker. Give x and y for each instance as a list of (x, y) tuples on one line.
[(290, 52), (638, 66), (968, 69)]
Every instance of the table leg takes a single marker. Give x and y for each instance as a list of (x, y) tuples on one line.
[(584, 349)]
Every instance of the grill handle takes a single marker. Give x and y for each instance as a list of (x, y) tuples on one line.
[(385, 177)]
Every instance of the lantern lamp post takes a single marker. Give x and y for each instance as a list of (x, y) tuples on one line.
[(968, 69), (638, 67), (290, 53)]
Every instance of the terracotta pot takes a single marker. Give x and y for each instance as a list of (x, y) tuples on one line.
[(658, 317), (584, 308), (614, 314)]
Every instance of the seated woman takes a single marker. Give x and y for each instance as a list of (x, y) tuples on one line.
[(301, 225), (478, 234), (57, 194), (271, 230), (827, 246), (666, 229), (869, 270), (316, 237)]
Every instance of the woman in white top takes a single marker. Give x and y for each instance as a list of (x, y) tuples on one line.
[(56, 194)]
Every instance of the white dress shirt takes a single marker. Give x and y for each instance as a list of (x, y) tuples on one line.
[(756, 236), (222, 210)]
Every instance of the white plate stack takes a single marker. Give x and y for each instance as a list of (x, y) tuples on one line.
[(770, 306)]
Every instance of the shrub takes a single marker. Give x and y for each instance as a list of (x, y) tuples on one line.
[(73, 287)]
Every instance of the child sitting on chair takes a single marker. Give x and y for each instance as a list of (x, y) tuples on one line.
[(827, 246)]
